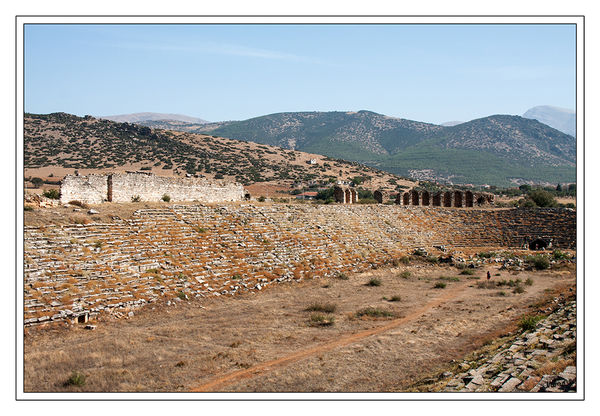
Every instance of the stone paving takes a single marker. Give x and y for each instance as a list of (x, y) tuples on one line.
[(521, 365)]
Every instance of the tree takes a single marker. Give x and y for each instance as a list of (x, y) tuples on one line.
[(559, 188), (525, 188), (37, 182), (543, 198)]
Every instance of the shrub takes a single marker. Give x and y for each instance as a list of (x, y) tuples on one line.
[(261, 199), (395, 298), (539, 262), (529, 281), (27, 208), (529, 322), (321, 307), (316, 319), (341, 276), (542, 198), (432, 259), (374, 282), (37, 182), (439, 285), (405, 274), (76, 379), (486, 254), (405, 259), (468, 272), (51, 193), (181, 295), (449, 278), (136, 198), (501, 293), (559, 255), (166, 198), (375, 313), (519, 289)]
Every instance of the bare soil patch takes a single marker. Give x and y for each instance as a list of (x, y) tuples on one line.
[(265, 341)]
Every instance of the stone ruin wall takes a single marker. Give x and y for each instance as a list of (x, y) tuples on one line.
[(196, 251), (91, 189), (95, 189)]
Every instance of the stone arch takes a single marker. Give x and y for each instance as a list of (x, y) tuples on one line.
[(398, 199), (538, 244), (468, 199), (348, 195), (437, 199), (406, 198), (480, 200), (247, 196), (378, 195), (425, 198), (458, 199), (353, 196), (447, 199), (414, 197)]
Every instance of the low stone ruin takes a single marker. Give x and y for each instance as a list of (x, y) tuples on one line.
[(140, 186), (345, 195)]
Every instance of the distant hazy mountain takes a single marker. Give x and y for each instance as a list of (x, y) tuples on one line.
[(561, 119), (140, 117), (451, 123)]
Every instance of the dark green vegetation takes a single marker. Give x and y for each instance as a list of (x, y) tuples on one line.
[(490, 150), (375, 313), (68, 141), (529, 323)]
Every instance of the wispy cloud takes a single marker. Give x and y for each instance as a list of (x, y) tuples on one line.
[(218, 48)]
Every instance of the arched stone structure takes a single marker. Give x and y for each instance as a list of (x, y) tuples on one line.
[(339, 194), (469, 199), (447, 199), (348, 195), (414, 197), (378, 195), (398, 199), (425, 199), (458, 199), (406, 198), (437, 199), (353, 196)]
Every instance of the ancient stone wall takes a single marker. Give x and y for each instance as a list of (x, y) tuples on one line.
[(91, 189), (95, 189), (448, 199), (196, 250)]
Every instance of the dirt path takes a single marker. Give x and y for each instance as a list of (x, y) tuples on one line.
[(269, 366)]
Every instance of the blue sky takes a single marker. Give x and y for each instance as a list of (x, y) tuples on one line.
[(431, 73)]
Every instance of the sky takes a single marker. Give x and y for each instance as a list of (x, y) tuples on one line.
[(431, 73)]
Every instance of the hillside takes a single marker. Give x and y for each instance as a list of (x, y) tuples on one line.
[(498, 150), (561, 119), (59, 143)]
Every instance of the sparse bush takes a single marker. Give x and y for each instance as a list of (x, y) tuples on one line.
[(76, 379), (501, 293), (261, 199), (405, 274), (439, 285), (341, 276), (529, 281), (432, 259), (395, 298), (528, 323), (374, 282), (316, 319), (37, 182), (449, 278), (539, 262), (559, 255), (405, 260), (52, 193), (375, 313), (236, 276), (166, 198), (27, 208), (321, 307), (181, 295), (136, 198), (468, 272), (486, 254), (519, 289)]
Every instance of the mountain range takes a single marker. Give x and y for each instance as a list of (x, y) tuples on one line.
[(500, 150), (141, 117), (561, 119)]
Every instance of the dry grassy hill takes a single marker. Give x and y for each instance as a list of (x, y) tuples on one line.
[(58, 144)]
